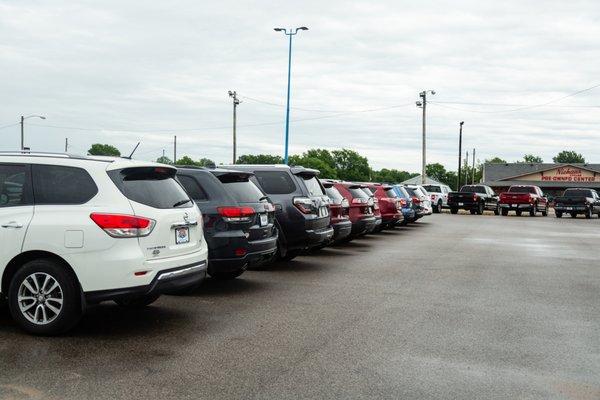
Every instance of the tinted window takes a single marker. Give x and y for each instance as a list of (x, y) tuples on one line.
[(334, 195), (275, 182), (522, 189), (358, 192), (433, 189), (411, 192), (241, 188), (391, 193), (473, 189), (152, 186), (402, 192), (192, 187), (368, 192), (313, 186), (54, 184), (578, 193), (15, 186)]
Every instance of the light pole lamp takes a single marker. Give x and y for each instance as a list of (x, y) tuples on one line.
[(423, 104), (289, 33), (23, 130)]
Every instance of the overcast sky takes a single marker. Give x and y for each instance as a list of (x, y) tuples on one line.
[(123, 71)]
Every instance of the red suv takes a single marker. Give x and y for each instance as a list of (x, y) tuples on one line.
[(361, 207), (389, 204)]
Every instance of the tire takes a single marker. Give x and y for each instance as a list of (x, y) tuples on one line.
[(438, 207), (558, 214), (289, 255), (472, 211), (480, 209), (588, 213), (545, 212), (533, 210), (45, 283), (518, 212), (454, 211), (504, 212), (138, 302), (573, 215), (497, 210)]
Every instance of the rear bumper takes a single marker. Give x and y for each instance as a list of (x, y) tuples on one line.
[(364, 225), (513, 206), (408, 213), (317, 237), (392, 218), (341, 229), (463, 205), (257, 252), (569, 209), (165, 281)]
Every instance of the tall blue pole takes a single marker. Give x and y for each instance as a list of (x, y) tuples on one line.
[(287, 112)]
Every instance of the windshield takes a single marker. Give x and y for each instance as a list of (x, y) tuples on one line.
[(391, 193), (334, 195), (313, 185)]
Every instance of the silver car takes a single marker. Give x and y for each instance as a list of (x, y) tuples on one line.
[(424, 198)]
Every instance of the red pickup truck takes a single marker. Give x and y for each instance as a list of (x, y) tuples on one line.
[(521, 198)]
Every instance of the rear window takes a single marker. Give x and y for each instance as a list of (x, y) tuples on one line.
[(192, 187), (402, 192), (368, 191), (411, 192), (391, 193), (522, 189), (578, 193), (15, 186), (473, 189), (54, 184), (275, 182), (241, 189), (433, 188), (151, 186), (358, 193), (334, 195), (312, 185)]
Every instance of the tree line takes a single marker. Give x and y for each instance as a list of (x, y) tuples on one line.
[(349, 165)]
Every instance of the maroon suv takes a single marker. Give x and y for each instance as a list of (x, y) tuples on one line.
[(361, 207), (389, 204)]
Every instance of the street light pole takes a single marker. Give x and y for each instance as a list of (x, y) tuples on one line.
[(459, 153), (423, 105), (23, 128), (473, 171), (289, 33), (236, 102)]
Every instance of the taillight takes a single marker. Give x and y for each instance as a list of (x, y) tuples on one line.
[(403, 202), (474, 197), (304, 204), (123, 226), (416, 200), (236, 214), (359, 200), (433, 197)]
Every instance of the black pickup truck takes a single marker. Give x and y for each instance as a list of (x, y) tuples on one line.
[(577, 201), (475, 198)]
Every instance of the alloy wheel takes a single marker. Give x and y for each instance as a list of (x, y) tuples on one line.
[(40, 298)]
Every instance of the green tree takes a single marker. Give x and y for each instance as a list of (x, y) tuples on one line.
[(99, 149), (436, 171), (351, 166), (495, 160), (259, 159), (569, 157), (164, 160), (205, 162), (186, 160), (391, 176), (320, 159), (531, 159)]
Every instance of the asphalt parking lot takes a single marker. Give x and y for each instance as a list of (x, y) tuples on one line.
[(456, 306)]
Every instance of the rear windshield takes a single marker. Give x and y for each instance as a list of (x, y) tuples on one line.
[(577, 193), (417, 192), (391, 193), (241, 188), (358, 193), (410, 191), (275, 182), (401, 191), (151, 186), (312, 185), (433, 189), (522, 189), (334, 195), (368, 191), (473, 189)]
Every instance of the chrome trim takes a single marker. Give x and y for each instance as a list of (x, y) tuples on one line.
[(183, 271), (184, 224)]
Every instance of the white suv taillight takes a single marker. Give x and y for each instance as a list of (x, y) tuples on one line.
[(123, 226)]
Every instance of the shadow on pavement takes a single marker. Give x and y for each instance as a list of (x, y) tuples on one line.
[(241, 285)]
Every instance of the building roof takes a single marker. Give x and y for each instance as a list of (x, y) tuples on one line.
[(417, 181), (497, 172)]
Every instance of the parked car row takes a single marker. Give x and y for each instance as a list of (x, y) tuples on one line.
[(77, 231)]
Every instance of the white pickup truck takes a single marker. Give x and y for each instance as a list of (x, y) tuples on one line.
[(439, 196)]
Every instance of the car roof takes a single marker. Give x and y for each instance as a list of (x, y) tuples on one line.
[(294, 169), (214, 171)]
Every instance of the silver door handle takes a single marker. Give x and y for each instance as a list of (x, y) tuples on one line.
[(12, 224)]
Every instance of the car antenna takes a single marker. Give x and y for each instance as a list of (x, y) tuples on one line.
[(134, 149)]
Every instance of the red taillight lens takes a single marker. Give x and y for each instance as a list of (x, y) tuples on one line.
[(236, 214), (403, 202), (433, 197), (123, 226), (474, 197), (416, 200), (305, 205), (240, 251)]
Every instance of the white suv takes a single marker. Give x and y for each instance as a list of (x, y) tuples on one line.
[(81, 230), (438, 195)]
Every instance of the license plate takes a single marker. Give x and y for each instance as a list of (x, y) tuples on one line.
[(461, 204), (514, 205), (323, 211), (264, 219), (182, 235)]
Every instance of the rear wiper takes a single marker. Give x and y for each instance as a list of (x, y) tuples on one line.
[(182, 202), (264, 198)]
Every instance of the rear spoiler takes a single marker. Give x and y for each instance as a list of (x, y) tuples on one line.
[(305, 172)]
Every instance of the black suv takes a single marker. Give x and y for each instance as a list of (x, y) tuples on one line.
[(239, 219), (301, 206)]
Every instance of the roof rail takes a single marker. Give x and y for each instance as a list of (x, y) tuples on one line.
[(43, 154)]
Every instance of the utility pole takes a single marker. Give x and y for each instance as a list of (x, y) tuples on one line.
[(66, 144), (473, 180), (175, 149), (466, 166), (423, 105), (459, 154), (23, 128), (236, 102)]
